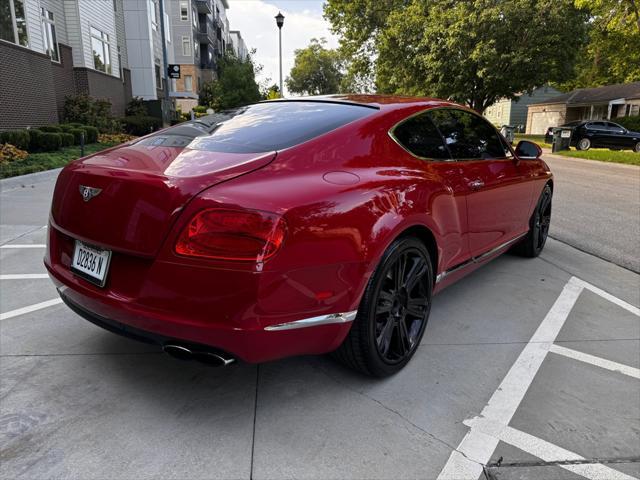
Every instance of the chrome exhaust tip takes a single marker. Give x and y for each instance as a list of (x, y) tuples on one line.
[(213, 358), (178, 351)]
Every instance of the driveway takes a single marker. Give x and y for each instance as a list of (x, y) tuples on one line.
[(529, 369)]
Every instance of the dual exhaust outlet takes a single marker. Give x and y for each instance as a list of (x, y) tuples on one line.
[(209, 357)]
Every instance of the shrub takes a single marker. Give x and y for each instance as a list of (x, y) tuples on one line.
[(50, 128), (141, 125), (35, 136), (630, 123), (84, 110), (200, 109), (11, 153), (50, 141), (18, 138), (136, 108), (67, 139), (65, 127), (77, 134), (91, 134)]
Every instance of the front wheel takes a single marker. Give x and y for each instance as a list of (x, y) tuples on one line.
[(584, 144), (393, 312), (539, 223)]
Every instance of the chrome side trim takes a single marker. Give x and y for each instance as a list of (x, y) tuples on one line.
[(479, 258), (315, 321)]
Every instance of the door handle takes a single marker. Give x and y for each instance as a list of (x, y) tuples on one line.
[(476, 184)]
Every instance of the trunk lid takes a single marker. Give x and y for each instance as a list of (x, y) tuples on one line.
[(142, 190)]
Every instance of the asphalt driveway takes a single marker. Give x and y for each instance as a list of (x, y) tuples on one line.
[(529, 369)]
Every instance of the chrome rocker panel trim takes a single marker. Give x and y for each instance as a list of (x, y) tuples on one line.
[(315, 321), (479, 258)]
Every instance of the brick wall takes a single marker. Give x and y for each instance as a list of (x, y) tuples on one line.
[(27, 88), (62, 74), (102, 85)]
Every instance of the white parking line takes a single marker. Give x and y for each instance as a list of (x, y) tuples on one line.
[(26, 245), (608, 296), (597, 361), (24, 276), (30, 308), (549, 452), (477, 446)]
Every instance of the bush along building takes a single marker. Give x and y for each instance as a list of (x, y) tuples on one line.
[(50, 49)]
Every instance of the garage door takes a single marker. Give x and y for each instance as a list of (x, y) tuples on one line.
[(540, 121)]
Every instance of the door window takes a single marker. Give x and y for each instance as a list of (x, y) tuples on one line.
[(419, 136), (467, 135)]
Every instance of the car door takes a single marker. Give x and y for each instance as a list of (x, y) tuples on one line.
[(499, 194), (598, 133), (617, 136), (447, 206)]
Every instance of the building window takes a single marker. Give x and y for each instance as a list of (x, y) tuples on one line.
[(158, 75), (188, 83), (173, 85), (49, 35), (194, 17), (101, 50), (153, 15), (13, 23), (184, 11), (186, 46)]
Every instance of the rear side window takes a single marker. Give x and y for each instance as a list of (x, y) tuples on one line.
[(468, 136), (265, 127), (420, 137)]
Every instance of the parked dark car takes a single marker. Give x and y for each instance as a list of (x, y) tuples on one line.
[(600, 134), (548, 137)]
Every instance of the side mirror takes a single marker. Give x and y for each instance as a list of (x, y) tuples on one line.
[(526, 150)]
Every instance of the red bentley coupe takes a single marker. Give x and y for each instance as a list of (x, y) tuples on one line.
[(302, 226)]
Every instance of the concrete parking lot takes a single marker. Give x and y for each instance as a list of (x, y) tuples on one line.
[(529, 369)]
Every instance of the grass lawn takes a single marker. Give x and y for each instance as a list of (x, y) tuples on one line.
[(37, 162), (604, 155)]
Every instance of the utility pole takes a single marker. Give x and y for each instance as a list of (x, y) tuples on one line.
[(165, 74)]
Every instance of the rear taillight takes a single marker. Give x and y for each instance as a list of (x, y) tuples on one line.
[(240, 235)]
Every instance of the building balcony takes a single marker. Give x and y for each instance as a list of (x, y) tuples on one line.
[(206, 33), (203, 6)]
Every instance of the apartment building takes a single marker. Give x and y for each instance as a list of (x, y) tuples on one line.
[(53, 48), (240, 49), (200, 33)]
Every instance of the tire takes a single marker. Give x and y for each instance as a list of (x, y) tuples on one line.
[(392, 315), (534, 242), (583, 144), (636, 148)]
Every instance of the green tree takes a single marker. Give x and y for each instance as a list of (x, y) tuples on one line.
[(613, 52), (272, 92), (236, 84), (316, 70), (473, 52)]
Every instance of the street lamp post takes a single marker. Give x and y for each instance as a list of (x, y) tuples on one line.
[(280, 22)]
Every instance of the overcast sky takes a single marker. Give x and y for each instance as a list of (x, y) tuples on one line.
[(255, 20)]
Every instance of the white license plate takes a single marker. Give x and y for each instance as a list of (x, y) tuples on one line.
[(91, 263)]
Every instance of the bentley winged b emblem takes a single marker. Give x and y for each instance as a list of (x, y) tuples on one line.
[(89, 192)]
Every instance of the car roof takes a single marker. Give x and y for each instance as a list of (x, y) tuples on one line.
[(379, 102)]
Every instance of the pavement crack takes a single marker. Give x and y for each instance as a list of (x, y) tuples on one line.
[(21, 235), (397, 413)]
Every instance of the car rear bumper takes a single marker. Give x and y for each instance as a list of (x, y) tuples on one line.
[(255, 317)]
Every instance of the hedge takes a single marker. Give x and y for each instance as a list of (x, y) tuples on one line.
[(91, 134), (67, 139), (50, 129), (141, 125), (44, 141), (77, 134), (17, 138), (630, 123)]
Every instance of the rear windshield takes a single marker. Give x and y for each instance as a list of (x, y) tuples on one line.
[(265, 127)]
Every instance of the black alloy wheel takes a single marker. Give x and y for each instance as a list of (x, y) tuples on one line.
[(539, 223), (393, 313)]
